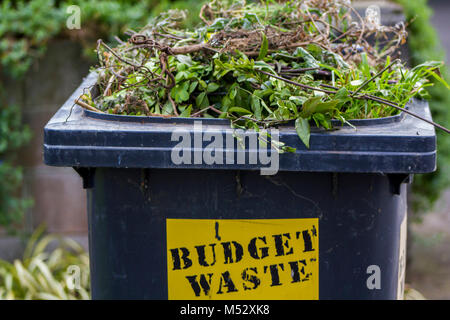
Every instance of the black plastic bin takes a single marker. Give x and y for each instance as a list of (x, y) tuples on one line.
[(331, 224)]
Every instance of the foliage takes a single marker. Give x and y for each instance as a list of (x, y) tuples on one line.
[(425, 45), (45, 273), (12, 136), (13, 206), (261, 66), (26, 27)]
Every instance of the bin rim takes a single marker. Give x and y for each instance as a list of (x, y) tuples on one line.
[(171, 120), (187, 120), (79, 138)]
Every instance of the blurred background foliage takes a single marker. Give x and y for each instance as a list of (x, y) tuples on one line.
[(26, 27), (424, 45), (52, 268)]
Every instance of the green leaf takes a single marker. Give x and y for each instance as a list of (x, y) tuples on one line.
[(203, 84), (309, 106), (239, 110), (365, 65), (167, 108), (187, 112), (303, 130), (357, 83), (342, 94), (242, 78), (310, 61), (340, 62), (315, 105), (184, 59), (233, 92), (183, 96), (298, 100), (212, 86), (180, 92), (324, 107), (202, 100), (438, 78), (261, 65), (193, 86), (264, 47), (181, 75), (321, 120), (342, 97), (256, 106), (226, 103)]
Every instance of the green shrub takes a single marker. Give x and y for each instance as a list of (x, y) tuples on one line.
[(12, 136)]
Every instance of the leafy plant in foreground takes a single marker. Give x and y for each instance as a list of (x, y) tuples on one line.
[(45, 274)]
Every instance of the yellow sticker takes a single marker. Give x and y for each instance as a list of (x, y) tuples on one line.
[(271, 259)]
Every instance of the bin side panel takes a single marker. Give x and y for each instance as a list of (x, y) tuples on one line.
[(359, 223)]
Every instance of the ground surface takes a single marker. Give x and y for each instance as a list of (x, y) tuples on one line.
[(429, 269)]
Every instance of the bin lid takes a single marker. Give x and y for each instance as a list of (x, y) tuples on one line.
[(80, 138)]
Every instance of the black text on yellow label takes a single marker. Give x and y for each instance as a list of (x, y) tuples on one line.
[(243, 259)]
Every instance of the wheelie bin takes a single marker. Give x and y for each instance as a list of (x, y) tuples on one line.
[(171, 217)]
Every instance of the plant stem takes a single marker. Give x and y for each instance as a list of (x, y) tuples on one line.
[(87, 106), (351, 92)]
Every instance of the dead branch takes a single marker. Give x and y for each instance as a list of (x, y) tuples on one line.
[(87, 106)]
